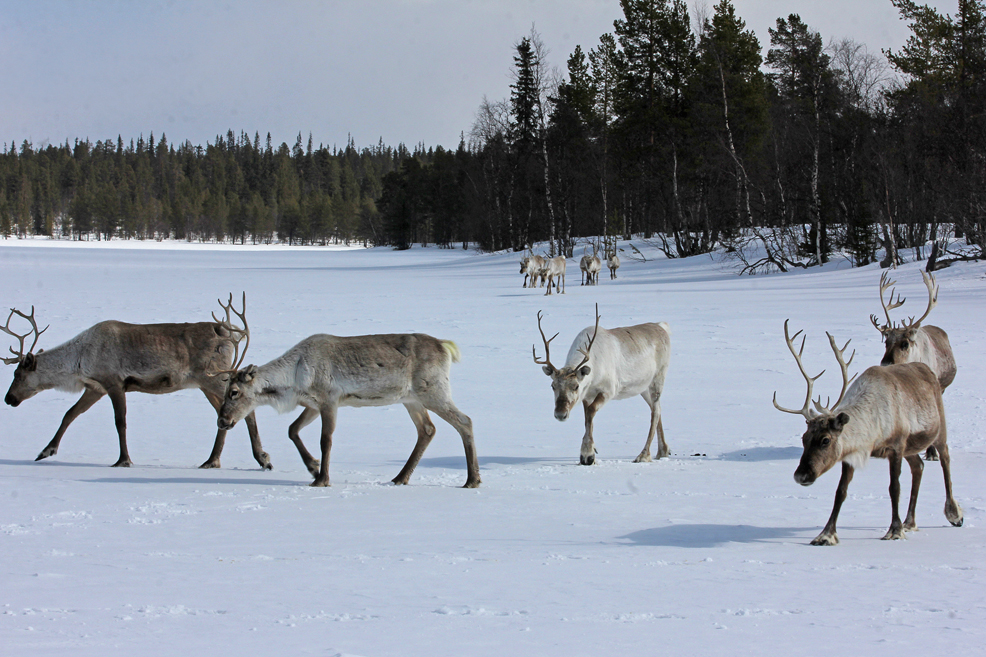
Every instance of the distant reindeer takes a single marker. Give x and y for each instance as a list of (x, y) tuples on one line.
[(613, 262), (532, 266), (590, 266), (912, 343), (611, 364), (113, 358), (324, 372), (555, 271), (892, 412)]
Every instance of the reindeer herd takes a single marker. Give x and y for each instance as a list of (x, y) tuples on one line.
[(891, 411), (543, 269)]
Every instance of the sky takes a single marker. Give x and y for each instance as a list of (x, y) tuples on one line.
[(404, 71)]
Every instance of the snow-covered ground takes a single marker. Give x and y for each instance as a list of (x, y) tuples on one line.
[(702, 553)]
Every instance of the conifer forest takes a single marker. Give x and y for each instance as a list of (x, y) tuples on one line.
[(686, 131)]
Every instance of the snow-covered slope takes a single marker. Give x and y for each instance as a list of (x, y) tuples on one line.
[(703, 553)]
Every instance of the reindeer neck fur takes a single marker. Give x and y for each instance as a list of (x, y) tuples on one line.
[(60, 368), (281, 383)]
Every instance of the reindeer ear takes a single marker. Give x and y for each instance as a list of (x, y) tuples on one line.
[(30, 363), (548, 369), (839, 421), (584, 371), (247, 374)]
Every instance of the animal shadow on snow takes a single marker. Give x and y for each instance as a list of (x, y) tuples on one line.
[(763, 454), (460, 462), (705, 536), (138, 479)]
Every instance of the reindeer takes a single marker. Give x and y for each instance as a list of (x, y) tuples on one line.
[(532, 266), (323, 372), (892, 412), (628, 361), (114, 358), (590, 266), (613, 262), (912, 343), (555, 270)]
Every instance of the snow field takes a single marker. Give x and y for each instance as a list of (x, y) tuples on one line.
[(705, 552)]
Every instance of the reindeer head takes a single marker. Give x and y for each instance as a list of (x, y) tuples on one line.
[(899, 340), (236, 378), (568, 382), (821, 439), (241, 397), (27, 382)]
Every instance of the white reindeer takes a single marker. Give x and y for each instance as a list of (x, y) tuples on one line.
[(555, 271), (613, 262), (912, 343), (533, 267), (611, 364), (323, 372), (590, 266), (114, 358), (892, 412)]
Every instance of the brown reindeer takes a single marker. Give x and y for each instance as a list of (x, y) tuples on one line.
[(912, 343), (113, 358), (323, 372), (892, 412)]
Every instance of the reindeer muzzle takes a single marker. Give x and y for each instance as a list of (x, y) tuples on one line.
[(11, 400), (225, 424), (804, 477)]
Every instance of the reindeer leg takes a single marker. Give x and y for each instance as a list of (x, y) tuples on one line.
[(89, 397), (307, 417), (119, 399), (828, 535), (463, 424), (653, 399), (896, 531), (262, 457), (426, 431), (328, 426), (587, 455), (917, 469), (952, 509)]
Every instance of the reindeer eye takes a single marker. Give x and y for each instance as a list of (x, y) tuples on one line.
[(903, 344), (826, 441)]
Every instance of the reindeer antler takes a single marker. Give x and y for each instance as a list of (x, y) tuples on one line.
[(886, 283), (236, 333), (547, 342), (846, 379), (929, 282), (806, 409), (585, 352), (21, 354)]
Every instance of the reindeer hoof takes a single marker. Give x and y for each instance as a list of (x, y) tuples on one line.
[(826, 539), (122, 463), (210, 465), (643, 458), (399, 481), (894, 534), (587, 460), (46, 452), (320, 483), (264, 460), (954, 514), (473, 483), (313, 467)]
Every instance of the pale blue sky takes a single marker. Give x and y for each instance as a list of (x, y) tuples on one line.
[(403, 70)]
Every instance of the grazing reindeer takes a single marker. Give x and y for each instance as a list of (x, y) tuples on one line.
[(324, 372), (555, 271), (892, 412), (611, 364), (912, 343), (113, 358), (613, 262)]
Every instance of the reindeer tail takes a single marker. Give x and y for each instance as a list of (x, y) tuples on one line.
[(452, 349)]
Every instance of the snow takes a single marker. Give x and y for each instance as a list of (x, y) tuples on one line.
[(702, 553)]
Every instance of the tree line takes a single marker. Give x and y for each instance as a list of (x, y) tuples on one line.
[(673, 128)]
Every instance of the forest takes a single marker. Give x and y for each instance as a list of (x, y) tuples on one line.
[(682, 130)]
